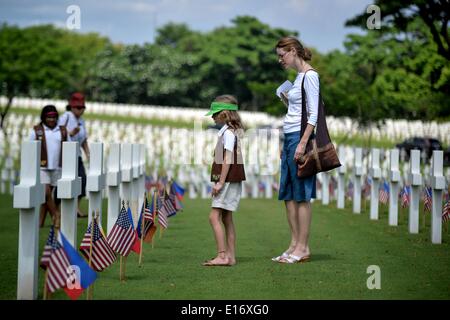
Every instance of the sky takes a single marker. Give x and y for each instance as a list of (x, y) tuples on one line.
[(320, 23)]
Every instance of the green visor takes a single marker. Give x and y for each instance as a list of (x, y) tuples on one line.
[(219, 106)]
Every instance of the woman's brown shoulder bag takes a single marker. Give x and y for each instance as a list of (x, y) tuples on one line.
[(320, 154)]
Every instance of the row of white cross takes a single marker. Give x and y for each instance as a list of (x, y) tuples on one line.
[(394, 130), (125, 180), (414, 179)]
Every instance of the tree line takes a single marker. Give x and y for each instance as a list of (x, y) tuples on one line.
[(398, 71)]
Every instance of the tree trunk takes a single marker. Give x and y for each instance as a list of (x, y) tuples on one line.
[(3, 114)]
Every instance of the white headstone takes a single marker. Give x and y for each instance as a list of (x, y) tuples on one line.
[(127, 171), (341, 179), (95, 182), (394, 186), (28, 196), (325, 188), (69, 188), (113, 180), (437, 185), (358, 171), (375, 173), (135, 183), (415, 179)]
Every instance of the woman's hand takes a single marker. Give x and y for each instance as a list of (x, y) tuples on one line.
[(284, 99), (217, 188), (299, 151)]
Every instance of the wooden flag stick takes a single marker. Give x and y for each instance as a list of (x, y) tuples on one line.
[(124, 268), (142, 230), (424, 217), (90, 289), (45, 294), (155, 208), (121, 267)]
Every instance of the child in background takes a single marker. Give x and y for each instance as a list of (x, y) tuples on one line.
[(51, 137), (227, 173)]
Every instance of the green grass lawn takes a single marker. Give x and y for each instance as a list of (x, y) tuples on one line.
[(343, 245)]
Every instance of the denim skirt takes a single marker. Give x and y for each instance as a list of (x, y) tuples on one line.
[(291, 186)]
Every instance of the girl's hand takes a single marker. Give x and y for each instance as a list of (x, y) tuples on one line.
[(217, 188), (299, 151), (74, 131)]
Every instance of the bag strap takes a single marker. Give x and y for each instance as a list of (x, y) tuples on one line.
[(304, 122)]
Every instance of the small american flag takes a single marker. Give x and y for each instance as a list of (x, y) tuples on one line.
[(102, 254), (405, 194), (149, 220), (427, 198), (350, 190), (122, 235), (50, 245), (366, 187), (162, 214), (57, 269), (446, 212), (384, 192), (175, 202), (171, 211)]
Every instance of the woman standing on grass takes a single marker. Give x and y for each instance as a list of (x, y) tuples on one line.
[(294, 191)]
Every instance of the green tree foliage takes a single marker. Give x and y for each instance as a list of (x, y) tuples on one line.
[(435, 15), (388, 73), (395, 72), (44, 61)]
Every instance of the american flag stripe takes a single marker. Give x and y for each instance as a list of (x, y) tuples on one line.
[(427, 198), (122, 236), (48, 248), (57, 270), (45, 259), (122, 240), (384, 193), (170, 209), (102, 254), (446, 212), (162, 217)]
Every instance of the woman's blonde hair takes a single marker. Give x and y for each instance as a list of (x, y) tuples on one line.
[(230, 117), (287, 43)]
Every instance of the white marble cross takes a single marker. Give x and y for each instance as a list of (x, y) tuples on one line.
[(415, 179), (69, 188), (135, 183), (341, 179), (325, 188), (28, 196), (375, 173), (126, 163), (358, 170), (438, 185), (394, 186), (113, 180), (95, 182)]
